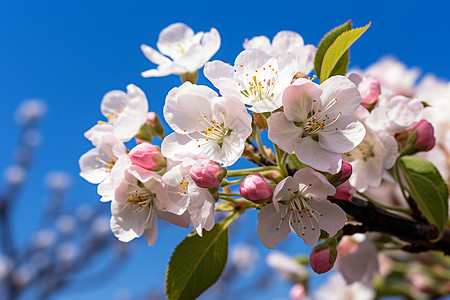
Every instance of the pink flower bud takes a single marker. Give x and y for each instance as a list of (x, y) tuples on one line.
[(151, 118), (370, 89), (344, 191), (425, 139), (346, 170), (255, 188), (322, 259), (207, 173), (147, 156), (297, 292)]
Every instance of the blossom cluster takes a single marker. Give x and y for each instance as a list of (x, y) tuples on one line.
[(345, 133)]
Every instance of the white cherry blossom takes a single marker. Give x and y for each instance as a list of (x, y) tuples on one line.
[(257, 78), (300, 203), (96, 164), (188, 51), (139, 198), (286, 42), (336, 288), (371, 158), (183, 192), (126, 112), (394, 114), (215, 127), (317, 122)]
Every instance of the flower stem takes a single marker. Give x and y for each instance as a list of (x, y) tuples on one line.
[(281, 160), (258, 141), (230, 195), (231, 182), (399, 180), (406, 211), (245, 172)]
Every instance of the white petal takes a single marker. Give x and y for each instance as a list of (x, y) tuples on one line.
[(252, 59), (154, 56), (201, 209), (221, 76), (173, 35), (271, 229), (305, 58), (310, 153), (283, 191), (133, 116), (285, 41), (258, 42), (106, 190), (91, 169), (283, 132), (340, 88), (306, 227), (177, 220), (186, 105), (298, 99), (349, 133), (316, 184), (333, 217), (113, 102)]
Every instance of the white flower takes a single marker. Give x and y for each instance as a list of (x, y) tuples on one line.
[(126, 112), (300, 203), (184, 193), (286, 42), (371, 158), (336, 288), (394, 114), (257, 78), (96, 164), (138, 200), (394, 75), (188, 52), (317, 122), (286, 266), (215, 127), (358, 260)]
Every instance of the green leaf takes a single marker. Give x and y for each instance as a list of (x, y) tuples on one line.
[(198, 262), (338, 49), (326, 42), (428, 189)]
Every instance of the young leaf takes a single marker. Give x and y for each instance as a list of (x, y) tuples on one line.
[(428, 189), (198, 262), (338, 49), (326, 42)]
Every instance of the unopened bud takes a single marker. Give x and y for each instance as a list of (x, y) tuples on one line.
[(255, 188), (425, 140), (344, 191), (297, 292), (207, 173), (322, 257), (147, 156), (342, 176), (370, 89), (417, 137)]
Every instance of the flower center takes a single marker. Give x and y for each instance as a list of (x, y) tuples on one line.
[(298, 211), (105, 163), (362, 151), (258, 84), (141, 198), (320, 119), (183, 187), (212, 131)]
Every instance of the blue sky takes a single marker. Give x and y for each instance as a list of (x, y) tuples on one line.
[(71, 53)]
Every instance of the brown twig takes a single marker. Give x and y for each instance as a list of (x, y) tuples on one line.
[(373, 218)]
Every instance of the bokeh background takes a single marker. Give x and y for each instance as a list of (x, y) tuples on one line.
[(70, 53)]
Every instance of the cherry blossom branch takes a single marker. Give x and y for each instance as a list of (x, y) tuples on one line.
[(373, 218)]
